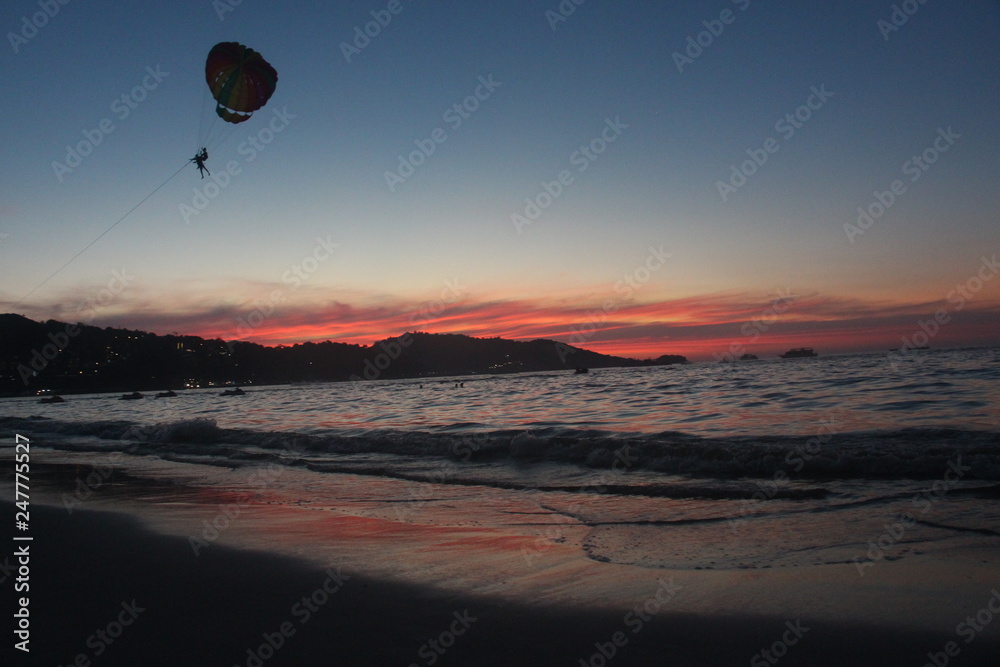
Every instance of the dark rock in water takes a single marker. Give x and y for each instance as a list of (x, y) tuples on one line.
[(668, 359)]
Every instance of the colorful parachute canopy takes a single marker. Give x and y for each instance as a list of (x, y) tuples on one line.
[(240, 79)]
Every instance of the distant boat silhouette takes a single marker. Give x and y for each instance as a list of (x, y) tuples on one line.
[(581, 371), (134, 396), (53, 399), (167, 394), (799, 352), (233, 392)]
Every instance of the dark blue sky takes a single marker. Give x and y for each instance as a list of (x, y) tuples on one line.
[(345, 124)]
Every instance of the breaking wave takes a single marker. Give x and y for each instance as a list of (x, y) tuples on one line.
[(913, 453)]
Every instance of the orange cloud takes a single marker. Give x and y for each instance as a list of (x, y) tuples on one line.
[(699, 327)]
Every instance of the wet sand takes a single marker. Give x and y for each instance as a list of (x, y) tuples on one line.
[(91, 568)]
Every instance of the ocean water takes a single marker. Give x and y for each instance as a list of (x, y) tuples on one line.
[(774, 463)]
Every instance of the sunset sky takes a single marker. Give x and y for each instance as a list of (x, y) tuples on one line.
[(619, 128)]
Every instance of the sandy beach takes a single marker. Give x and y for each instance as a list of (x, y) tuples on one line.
[(287, 585)]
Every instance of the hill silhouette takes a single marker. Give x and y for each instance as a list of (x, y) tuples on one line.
[(74, 358)]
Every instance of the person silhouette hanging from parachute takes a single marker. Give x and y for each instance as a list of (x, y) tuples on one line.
[(199, 159), (241, 82)]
